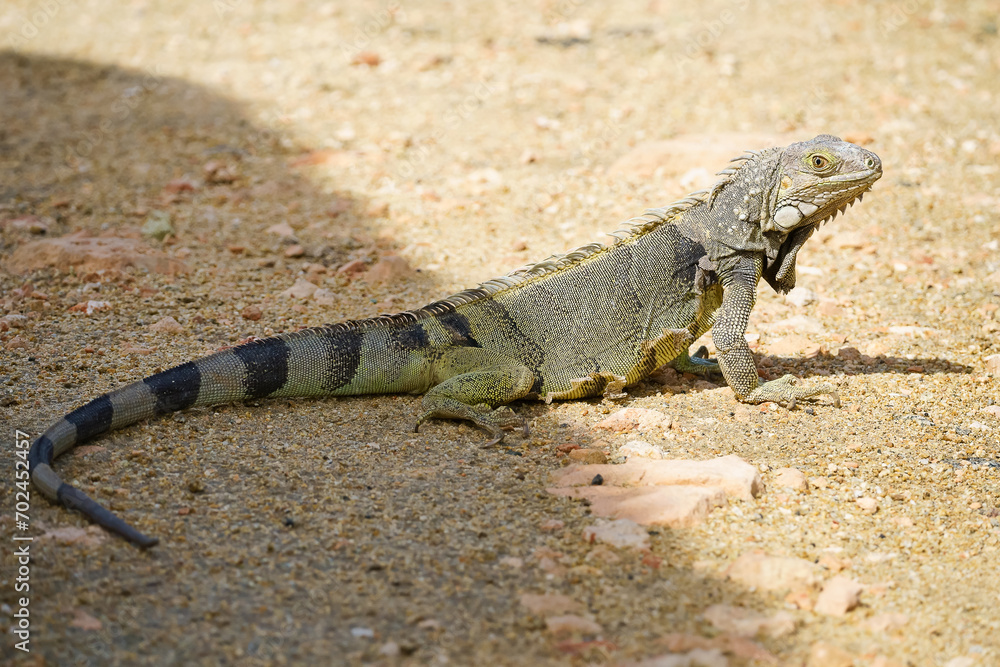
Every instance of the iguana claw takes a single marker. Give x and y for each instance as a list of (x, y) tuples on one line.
[(492, 443), (525, 431)]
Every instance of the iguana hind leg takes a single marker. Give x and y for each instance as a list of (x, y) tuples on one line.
[(697, 363), (479, 394)]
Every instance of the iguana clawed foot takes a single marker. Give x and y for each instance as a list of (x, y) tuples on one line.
[(784, 391), (495, 422)]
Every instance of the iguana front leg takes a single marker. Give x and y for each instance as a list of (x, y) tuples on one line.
[(735, 359), (475, 385)]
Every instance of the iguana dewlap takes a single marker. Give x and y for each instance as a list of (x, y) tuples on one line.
[(591, 321)]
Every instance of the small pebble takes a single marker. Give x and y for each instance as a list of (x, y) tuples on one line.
[(867, 505), (588, 456), (839, 596)]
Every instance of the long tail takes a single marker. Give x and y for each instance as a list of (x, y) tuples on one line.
[(307, 363)]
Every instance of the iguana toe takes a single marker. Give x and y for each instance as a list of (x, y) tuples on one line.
[(499, 422), (499, 436), (696, 364), (495, 422), (784, 392)]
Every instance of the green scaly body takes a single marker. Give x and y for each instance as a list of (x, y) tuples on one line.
[(590, 322)]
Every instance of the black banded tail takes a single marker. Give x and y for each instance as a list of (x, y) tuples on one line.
[(223, 377), (84, 423), (312, 362)]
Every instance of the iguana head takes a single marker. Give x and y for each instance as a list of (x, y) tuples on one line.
[(817, 179)]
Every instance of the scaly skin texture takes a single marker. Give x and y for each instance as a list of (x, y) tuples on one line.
[(593, 321)]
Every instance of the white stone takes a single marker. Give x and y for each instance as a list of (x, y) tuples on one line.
[(570, 624), (622, 533), (992, 364), (839, 596), (735, 476), (790, 478), (772, 573), (675, 506), (744, 622), (302, 289), (699, 657), (867, 505), (962, 661), (629, 419), (800, 296), (550, 604), (640, 449)]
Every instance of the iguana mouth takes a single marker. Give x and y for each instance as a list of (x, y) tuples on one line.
[(798, 212), (866, 175), (873, 176)]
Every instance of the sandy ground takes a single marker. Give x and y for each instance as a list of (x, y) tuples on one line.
[(469, 139)]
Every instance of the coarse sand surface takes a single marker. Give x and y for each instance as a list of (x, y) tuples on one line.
[(258, 167)]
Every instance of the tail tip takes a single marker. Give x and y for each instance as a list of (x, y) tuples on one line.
[(75, 499), (144, 541)]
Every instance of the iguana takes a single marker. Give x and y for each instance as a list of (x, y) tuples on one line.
[(592, 321)]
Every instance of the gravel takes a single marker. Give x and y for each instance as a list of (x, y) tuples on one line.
[(325, 531)]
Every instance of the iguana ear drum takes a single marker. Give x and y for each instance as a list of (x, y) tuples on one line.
[(787, 217)]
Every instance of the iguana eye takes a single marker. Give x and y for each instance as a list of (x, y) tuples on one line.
[(819, 161)]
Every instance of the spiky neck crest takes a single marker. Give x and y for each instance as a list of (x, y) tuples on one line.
[(748, 189)]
